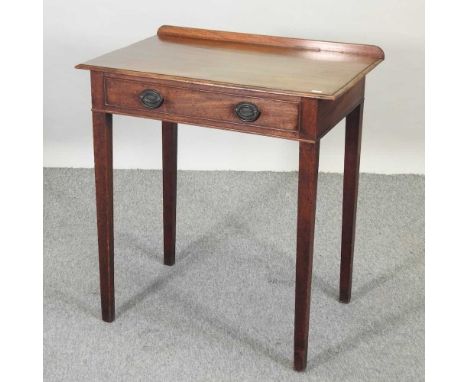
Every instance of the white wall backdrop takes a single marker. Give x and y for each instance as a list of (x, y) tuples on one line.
[(393, 138)]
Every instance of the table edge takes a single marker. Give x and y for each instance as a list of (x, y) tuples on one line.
[(227, 85)]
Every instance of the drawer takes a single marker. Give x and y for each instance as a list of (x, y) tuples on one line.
[(211, 106)]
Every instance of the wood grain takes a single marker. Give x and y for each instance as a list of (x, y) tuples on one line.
[(102, 140), (102, 136), (308, 124), (307, 200), (170, 31), (209, 105), (302, 88), (332, 112), (214, 107), (305, 68)]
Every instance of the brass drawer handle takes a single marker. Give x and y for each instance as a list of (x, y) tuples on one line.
[(151, 99), (247, 111)]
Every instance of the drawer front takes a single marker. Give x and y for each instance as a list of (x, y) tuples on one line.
[(238, 110)]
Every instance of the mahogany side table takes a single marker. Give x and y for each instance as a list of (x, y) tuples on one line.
[(274, 86)]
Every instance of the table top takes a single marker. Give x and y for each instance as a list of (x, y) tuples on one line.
[(282, 65)]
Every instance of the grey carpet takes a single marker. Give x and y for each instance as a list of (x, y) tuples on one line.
[(224, 312)]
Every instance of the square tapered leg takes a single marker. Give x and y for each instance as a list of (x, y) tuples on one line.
[(350, 196), (307, 196), (102, 136), (169, 165)]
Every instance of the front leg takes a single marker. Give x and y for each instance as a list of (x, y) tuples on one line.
[(169, 165), (102, 136), (307, 196)]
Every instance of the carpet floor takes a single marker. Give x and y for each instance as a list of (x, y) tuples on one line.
[(225, 311)]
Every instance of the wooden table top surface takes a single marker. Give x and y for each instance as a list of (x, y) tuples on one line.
[(281, 65)]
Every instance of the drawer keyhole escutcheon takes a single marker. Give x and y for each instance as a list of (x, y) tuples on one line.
[(247, 111), (151, 99)]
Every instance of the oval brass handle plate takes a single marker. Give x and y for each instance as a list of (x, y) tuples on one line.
[(247, 111), (151, 99)]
